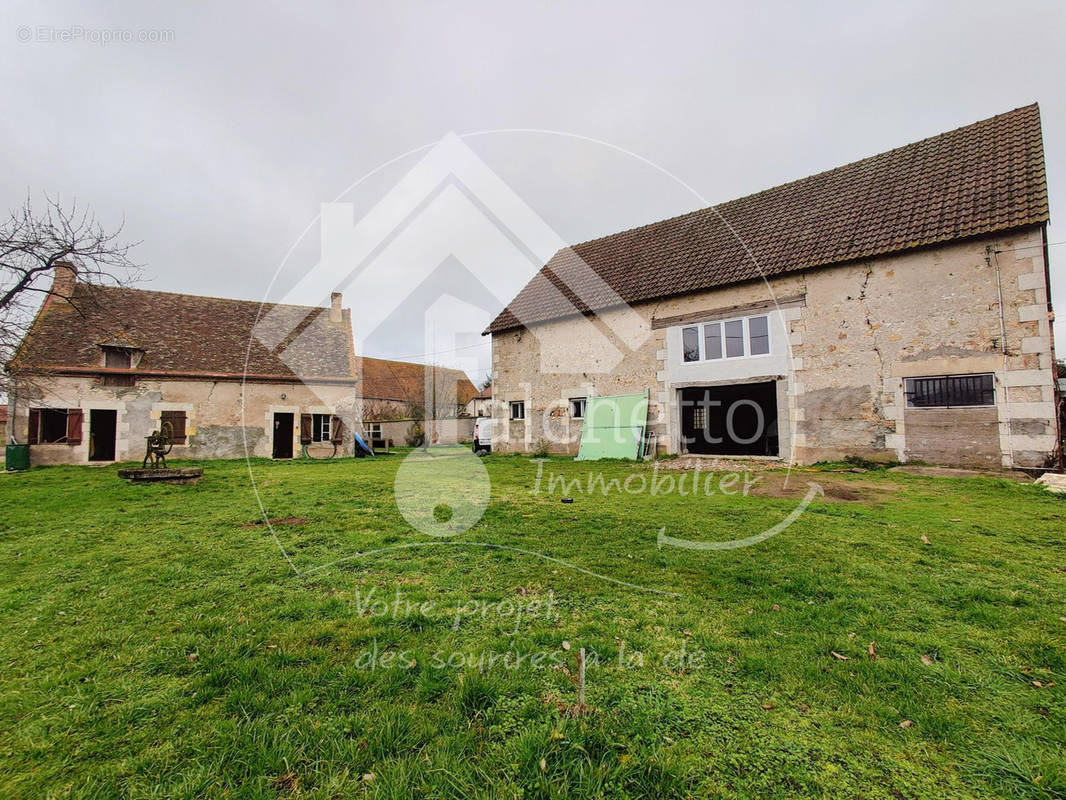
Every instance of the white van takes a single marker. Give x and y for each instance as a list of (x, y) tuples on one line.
[(483, 435)]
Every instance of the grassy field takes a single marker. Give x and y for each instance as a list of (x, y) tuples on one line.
[(157, 642)]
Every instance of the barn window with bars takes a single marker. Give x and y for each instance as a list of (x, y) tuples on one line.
[(951, 391)]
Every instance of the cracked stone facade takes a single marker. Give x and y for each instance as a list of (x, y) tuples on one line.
[(222, 417), (845, 338)]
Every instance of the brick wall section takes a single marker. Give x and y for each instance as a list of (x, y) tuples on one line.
[(860, 330)]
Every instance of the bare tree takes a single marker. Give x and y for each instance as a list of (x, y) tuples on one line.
[(32, 243)]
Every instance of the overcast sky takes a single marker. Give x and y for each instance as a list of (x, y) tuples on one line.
[(218, 146)]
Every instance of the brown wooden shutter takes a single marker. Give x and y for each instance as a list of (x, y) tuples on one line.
[(75, 416), (35, 426), (336, 430), (306, 426), (177, 424)]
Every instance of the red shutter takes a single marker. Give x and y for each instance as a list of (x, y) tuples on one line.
[(306, 425), (74, 420), (336, 430), (177, 424), (35, 426)]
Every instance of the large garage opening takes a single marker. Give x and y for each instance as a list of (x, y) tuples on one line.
[(735, 420)]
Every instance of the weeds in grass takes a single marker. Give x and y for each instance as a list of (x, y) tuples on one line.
[(476, 694)]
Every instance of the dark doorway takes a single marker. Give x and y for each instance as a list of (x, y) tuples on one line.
[(283, 435), (734, 420), (102, 426)]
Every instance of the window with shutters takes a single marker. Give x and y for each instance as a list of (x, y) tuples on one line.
[(320, 427), (177, 425), (55, 425), (52, 425)]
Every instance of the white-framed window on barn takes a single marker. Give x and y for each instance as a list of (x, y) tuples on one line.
[(518, 409), (373, 430), (951, 391), (577, 407), (744, 337)]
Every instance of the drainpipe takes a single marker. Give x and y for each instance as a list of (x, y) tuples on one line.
[(992, 257)]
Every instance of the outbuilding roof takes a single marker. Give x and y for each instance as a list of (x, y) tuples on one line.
[(188, 335), (980, 179), (406, 381)]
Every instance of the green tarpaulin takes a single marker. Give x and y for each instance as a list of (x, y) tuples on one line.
[(614, 427)]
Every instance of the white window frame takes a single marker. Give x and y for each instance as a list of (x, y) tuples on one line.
[(584, 405), (701, 342), (521, 405), (373, 430), (326, 430)]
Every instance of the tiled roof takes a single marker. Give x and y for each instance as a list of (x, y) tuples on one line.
[(405, 381), (980, 179), (188, 334)]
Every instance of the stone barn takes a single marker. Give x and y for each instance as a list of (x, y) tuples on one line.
[(897, 308)]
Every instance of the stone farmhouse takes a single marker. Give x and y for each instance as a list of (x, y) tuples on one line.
[(103, 367), (896, 308)]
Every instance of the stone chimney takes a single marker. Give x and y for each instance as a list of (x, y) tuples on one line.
[(63, 280), (335, 314)]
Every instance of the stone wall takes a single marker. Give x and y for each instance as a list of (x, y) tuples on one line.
[(221, 416), (963, 436), (854, 333)]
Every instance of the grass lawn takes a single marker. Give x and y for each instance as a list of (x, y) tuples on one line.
[(157, 643)]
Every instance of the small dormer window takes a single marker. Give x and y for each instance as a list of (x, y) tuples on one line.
[(117, 358)]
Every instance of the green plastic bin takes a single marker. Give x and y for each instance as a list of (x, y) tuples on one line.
[(17, 456)]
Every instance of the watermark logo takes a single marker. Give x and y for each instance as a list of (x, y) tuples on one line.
[(442, 252), (655, 483), (451, 215), (442, 491), (78, 34), (814, 490)]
